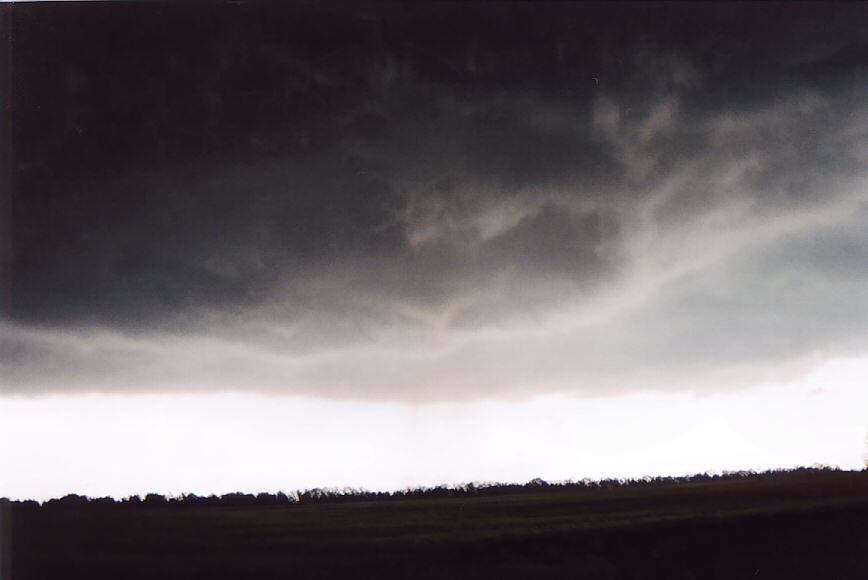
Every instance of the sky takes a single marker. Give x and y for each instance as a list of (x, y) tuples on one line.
[(250, 246)]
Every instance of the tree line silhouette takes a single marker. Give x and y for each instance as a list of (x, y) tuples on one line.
[(330, 495)]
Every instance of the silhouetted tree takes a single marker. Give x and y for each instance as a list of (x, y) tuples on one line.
[(155, 499)]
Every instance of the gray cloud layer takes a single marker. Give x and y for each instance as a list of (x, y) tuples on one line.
[(426, 203)]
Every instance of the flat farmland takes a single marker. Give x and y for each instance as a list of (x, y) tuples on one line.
[(811, 524)]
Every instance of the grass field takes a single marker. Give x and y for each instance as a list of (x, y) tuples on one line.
[(804, 524)]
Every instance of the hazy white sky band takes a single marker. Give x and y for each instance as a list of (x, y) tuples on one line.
[(120, 445)]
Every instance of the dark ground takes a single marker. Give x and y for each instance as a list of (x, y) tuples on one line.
[(807, 524)]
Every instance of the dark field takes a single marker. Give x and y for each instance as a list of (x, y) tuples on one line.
[(805, 524)]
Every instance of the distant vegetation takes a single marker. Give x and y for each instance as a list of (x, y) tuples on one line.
[(328, 495)]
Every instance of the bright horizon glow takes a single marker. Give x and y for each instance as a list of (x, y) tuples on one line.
[(98, 445)]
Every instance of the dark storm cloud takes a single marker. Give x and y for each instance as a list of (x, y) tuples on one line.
[(429, 200)]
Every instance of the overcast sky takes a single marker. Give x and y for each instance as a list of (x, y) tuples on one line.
[(428, 207)]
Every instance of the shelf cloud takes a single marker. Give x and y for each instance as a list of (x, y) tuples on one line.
[(431, 202)]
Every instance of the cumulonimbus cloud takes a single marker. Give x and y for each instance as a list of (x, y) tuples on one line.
[(419, 222)]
